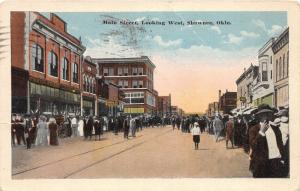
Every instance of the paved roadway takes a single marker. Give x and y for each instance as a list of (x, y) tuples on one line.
[(154, 153)]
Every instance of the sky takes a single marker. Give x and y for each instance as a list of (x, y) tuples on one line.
[(192, 62)]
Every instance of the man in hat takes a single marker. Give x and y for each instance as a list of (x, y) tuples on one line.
[(267, 147)]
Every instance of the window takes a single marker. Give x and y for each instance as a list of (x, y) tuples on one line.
[(111, 71), (125, 84), (37, 58), (120, 83), (264, 72), (134, 84), (120, 71), (276, 70), (283, 66), (141, 71), (271, 75), (90, 85), (105, 71), (52, 64), (125, 71), (280, 69), (141, 83), (270, 59), (75, 72), (134, 71), (85, 83), (65, 69)]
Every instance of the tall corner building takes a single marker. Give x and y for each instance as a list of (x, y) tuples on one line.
[(135, 78)]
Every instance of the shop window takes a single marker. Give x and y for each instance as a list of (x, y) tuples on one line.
[(37, 58), (280, 69), (65, 69)]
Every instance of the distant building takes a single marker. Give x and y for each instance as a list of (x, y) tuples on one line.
[(213, 109), (244, 87), (164, 105), (281, 69), (135, 78), (227, 102), (263, 86)]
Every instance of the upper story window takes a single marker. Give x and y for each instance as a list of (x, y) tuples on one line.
[(141, 71), (120, 71), (65, 69), (90, 85), (125, 83), (37, 58), (125, 71), (52, 64), (111, 71), (135, 84), (271, 60), (264, 73), (141, 83), (75, 72), (134, 71), (283, 66), (280, 68), (105, 71), (120, 83)]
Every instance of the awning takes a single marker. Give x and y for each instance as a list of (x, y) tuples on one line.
[(249, 111)]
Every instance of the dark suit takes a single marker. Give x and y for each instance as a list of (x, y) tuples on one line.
[(260, 165)]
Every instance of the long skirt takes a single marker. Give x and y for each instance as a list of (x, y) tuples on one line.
[(196, 138)]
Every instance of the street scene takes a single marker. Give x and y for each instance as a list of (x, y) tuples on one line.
[(150, 95)]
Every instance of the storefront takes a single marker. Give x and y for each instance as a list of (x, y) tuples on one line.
[(88, 105), (264, 100), (53, 100)]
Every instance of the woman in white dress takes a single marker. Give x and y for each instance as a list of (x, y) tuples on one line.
[(42, 132), (80, 126)]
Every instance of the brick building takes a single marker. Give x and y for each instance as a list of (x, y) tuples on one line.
[(46, 62), (164, 105), (213, 109), (88, 84), (281, 69), (135, 78), (227, 102)]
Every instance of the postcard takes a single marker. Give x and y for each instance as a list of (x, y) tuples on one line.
[(162, 96)]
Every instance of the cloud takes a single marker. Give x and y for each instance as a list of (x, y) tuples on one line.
[(169, 43), (275, 30), (249, 34), (139, 19), (216, 29), (233, 39), (260, 24)]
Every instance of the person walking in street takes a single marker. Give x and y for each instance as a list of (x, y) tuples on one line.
[(126, 127), (89, 127), (20, 130), (97, 128), (229, 126), (74, 125), (42, 132), (218, 126), (196, 135), (80, 126), (13, 130), (53, 132), (132, 127)]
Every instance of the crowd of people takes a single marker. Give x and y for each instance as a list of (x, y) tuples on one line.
[(46, 130), (263, 134)]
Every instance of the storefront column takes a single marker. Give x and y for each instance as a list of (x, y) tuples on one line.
[(81, 104), (96, 107)]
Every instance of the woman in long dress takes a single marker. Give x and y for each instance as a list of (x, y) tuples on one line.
[(42, 132), (80, 126), (53, 132)]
